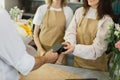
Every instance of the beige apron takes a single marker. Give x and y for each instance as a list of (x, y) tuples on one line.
[(53, 29), (86, 32)]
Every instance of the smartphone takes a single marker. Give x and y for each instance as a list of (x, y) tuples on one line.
[(59, 48)]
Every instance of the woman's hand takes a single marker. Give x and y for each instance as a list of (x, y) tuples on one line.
[(41, 52), (60, 59), (69, 48)]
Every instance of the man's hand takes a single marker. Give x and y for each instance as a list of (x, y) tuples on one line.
[(51, 56)]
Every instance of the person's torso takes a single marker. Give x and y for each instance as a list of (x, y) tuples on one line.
[(53, 28), (86, 33)]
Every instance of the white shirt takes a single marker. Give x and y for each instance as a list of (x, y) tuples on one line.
[(13, 55), (99, 45), (42, 10)]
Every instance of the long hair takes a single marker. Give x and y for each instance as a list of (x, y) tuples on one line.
[(104, 8), (63, 2)]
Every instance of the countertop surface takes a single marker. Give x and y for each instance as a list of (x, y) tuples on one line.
[(61, 72), (85, 73)]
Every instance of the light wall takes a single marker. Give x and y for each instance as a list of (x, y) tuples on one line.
[(10, 4)]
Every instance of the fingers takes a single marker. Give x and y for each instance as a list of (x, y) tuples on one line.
[(67, 52), (66, 43), (69, 49), (51, 50), (60, 58), (51, 56), (41, 52), (55, 55)]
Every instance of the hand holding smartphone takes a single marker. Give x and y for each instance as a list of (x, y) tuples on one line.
[(59, 48)]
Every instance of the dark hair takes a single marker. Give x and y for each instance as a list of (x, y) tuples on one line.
[(104, 8)]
